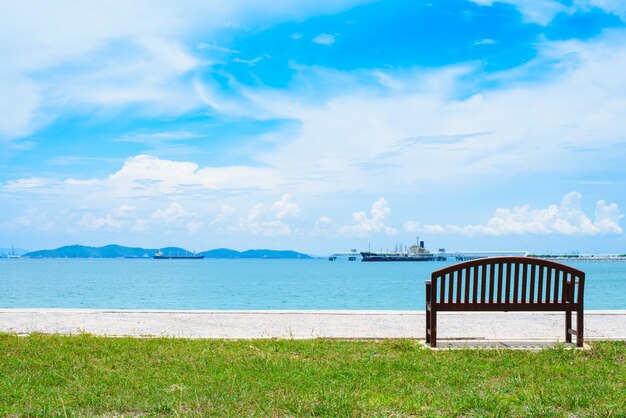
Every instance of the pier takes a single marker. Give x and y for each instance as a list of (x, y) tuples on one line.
[(351, 255)]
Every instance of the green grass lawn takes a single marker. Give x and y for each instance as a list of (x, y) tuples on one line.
[(86, 376)]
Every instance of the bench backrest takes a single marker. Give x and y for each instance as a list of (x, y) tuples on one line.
[(508, 281)]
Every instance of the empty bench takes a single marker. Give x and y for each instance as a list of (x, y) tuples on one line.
[(506, 284)]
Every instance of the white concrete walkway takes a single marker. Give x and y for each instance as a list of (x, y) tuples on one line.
[(599, 325)]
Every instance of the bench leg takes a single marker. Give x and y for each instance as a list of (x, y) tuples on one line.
[(579, 328), (433, 328), (427, 325), (568, 326)]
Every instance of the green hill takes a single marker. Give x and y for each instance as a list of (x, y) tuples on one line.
[(118, 251), (227, 253)]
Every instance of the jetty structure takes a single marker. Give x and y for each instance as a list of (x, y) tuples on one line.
[(12, 254), (186, 256), (418, 252)]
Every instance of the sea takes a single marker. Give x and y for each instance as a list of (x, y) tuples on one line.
[(258, 284)]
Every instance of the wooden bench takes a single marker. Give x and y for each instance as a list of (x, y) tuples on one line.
[(506, 284)]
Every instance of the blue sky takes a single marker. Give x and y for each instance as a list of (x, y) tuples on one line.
[(314, 126)]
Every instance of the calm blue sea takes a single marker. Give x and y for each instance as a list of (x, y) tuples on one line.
[(246, 284)]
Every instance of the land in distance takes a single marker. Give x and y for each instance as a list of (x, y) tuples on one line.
[(118, 251)]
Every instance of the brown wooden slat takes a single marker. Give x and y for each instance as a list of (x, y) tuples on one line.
[(532, 283), (499, 290), (548, 284), (540, 285), (507, 287), (492, 269), (483, 284), (524, 280), (570, 289), (557, 278), (581, 292), (512, 307), (515, 283), (442, 290), (466, 291), (564, 287), (458, 285), (475, 284), (450, 286)]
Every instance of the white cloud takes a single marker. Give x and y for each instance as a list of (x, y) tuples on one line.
[(616, 7), (194, 227), (543, 11), (18, 104), (213, 47), (485, 41), (364, 225), (537, 11), (116, 54), (251, 62), (324, 39), (172, 214), (284, 208), (224, 217), (607, 218), (146, 175), (115, 220), (323, 221), (174, 217), (273, 220), (26, 184), (31, 218), (567, 218), (324, 226), (354, 134), (140, 226), (123, 211)]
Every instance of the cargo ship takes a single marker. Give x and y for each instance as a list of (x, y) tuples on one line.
[(413, 253), (160, 256)]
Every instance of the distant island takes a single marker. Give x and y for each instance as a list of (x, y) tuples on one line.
[(118, 251)]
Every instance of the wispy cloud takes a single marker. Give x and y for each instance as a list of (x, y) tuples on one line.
[(212, 47), (485, 41), (26, 184), (537, 11), (159, 137), (324, 39), (117, 54), (252, 62), (543, 12), (31, 219)]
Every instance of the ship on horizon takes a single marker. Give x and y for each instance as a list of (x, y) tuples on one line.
[(415, 252), (419, 253)]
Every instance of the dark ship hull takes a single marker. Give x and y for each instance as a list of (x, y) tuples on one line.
[(368, 256)]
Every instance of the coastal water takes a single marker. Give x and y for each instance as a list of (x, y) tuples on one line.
[(246, 284)]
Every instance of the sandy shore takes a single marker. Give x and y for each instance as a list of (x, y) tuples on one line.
[(599, 325)]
